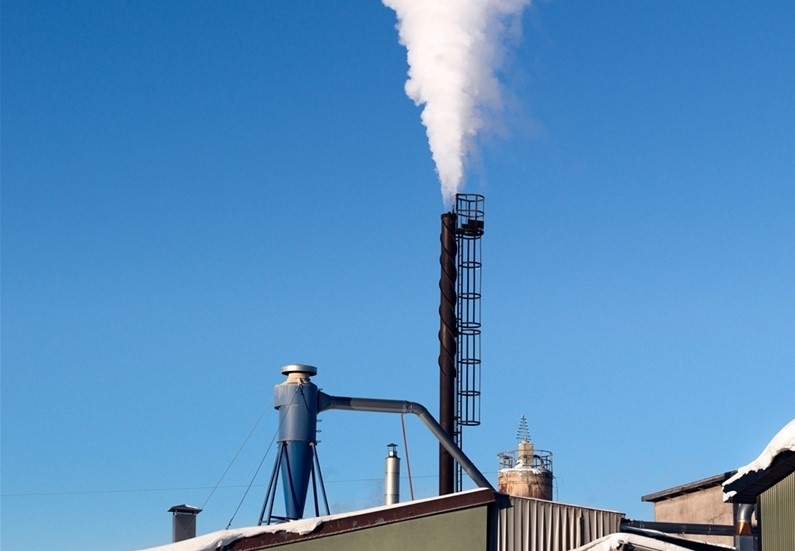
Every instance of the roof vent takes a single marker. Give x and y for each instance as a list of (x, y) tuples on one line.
[(184, 522)]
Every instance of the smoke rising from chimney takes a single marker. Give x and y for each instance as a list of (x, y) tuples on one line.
[(454, 48)]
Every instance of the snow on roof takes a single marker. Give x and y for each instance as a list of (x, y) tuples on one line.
[(783, 441), (217, 540), (619, 541)]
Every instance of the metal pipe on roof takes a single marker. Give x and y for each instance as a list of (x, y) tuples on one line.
[(743, 522), (377, 405), (392, 476), (744, 532), (678, 527)]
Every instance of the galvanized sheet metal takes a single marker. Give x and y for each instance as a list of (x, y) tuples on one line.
[(778, 516), (537, 525)]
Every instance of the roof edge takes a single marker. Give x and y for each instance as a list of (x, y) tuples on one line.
[(689, 488), (380, 516)]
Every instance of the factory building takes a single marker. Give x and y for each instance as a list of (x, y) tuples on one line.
[(473, 520), (520, 514), (699, 502)]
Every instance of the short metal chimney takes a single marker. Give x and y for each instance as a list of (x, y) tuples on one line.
[(184, 522), (392, 476)]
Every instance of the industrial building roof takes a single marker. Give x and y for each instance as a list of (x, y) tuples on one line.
[(776, 462), (688, 488), (260, 537)]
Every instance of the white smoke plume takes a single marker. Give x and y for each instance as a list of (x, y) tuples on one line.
[(454, 48)]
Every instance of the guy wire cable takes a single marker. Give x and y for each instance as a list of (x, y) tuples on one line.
[(250, 484), (243, 445)]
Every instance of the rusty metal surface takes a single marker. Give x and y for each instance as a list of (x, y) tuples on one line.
[(368, 519), (447, 347), (525, 483)]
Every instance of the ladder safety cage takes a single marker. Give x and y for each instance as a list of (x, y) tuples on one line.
[(470, 225)]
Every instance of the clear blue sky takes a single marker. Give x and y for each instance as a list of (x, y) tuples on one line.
[(196, 193)]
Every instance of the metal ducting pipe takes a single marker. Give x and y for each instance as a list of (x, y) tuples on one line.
[(629, 525), (397, 406), (743, 533), (743, 523)]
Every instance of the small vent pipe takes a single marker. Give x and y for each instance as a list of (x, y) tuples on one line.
[(392, 476), (183, 524)]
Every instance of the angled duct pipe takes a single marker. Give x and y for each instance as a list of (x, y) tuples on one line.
[(376, 405)]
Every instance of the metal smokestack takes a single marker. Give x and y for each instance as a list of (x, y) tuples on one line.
[(392, 476), (448, 334)]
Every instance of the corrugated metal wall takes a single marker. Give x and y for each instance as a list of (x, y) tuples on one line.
[(778, 516), (537, 525)]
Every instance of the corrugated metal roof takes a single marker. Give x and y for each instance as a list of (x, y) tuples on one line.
[(539, 525)]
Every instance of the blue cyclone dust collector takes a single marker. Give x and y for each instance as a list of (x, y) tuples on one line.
[(296, 400)]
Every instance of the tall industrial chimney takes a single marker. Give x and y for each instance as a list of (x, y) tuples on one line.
[(448, 333), (459, 329)]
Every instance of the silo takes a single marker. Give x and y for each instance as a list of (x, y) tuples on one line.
[(526, 471)]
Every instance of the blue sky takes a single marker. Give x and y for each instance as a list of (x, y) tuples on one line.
[(196, 193)]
